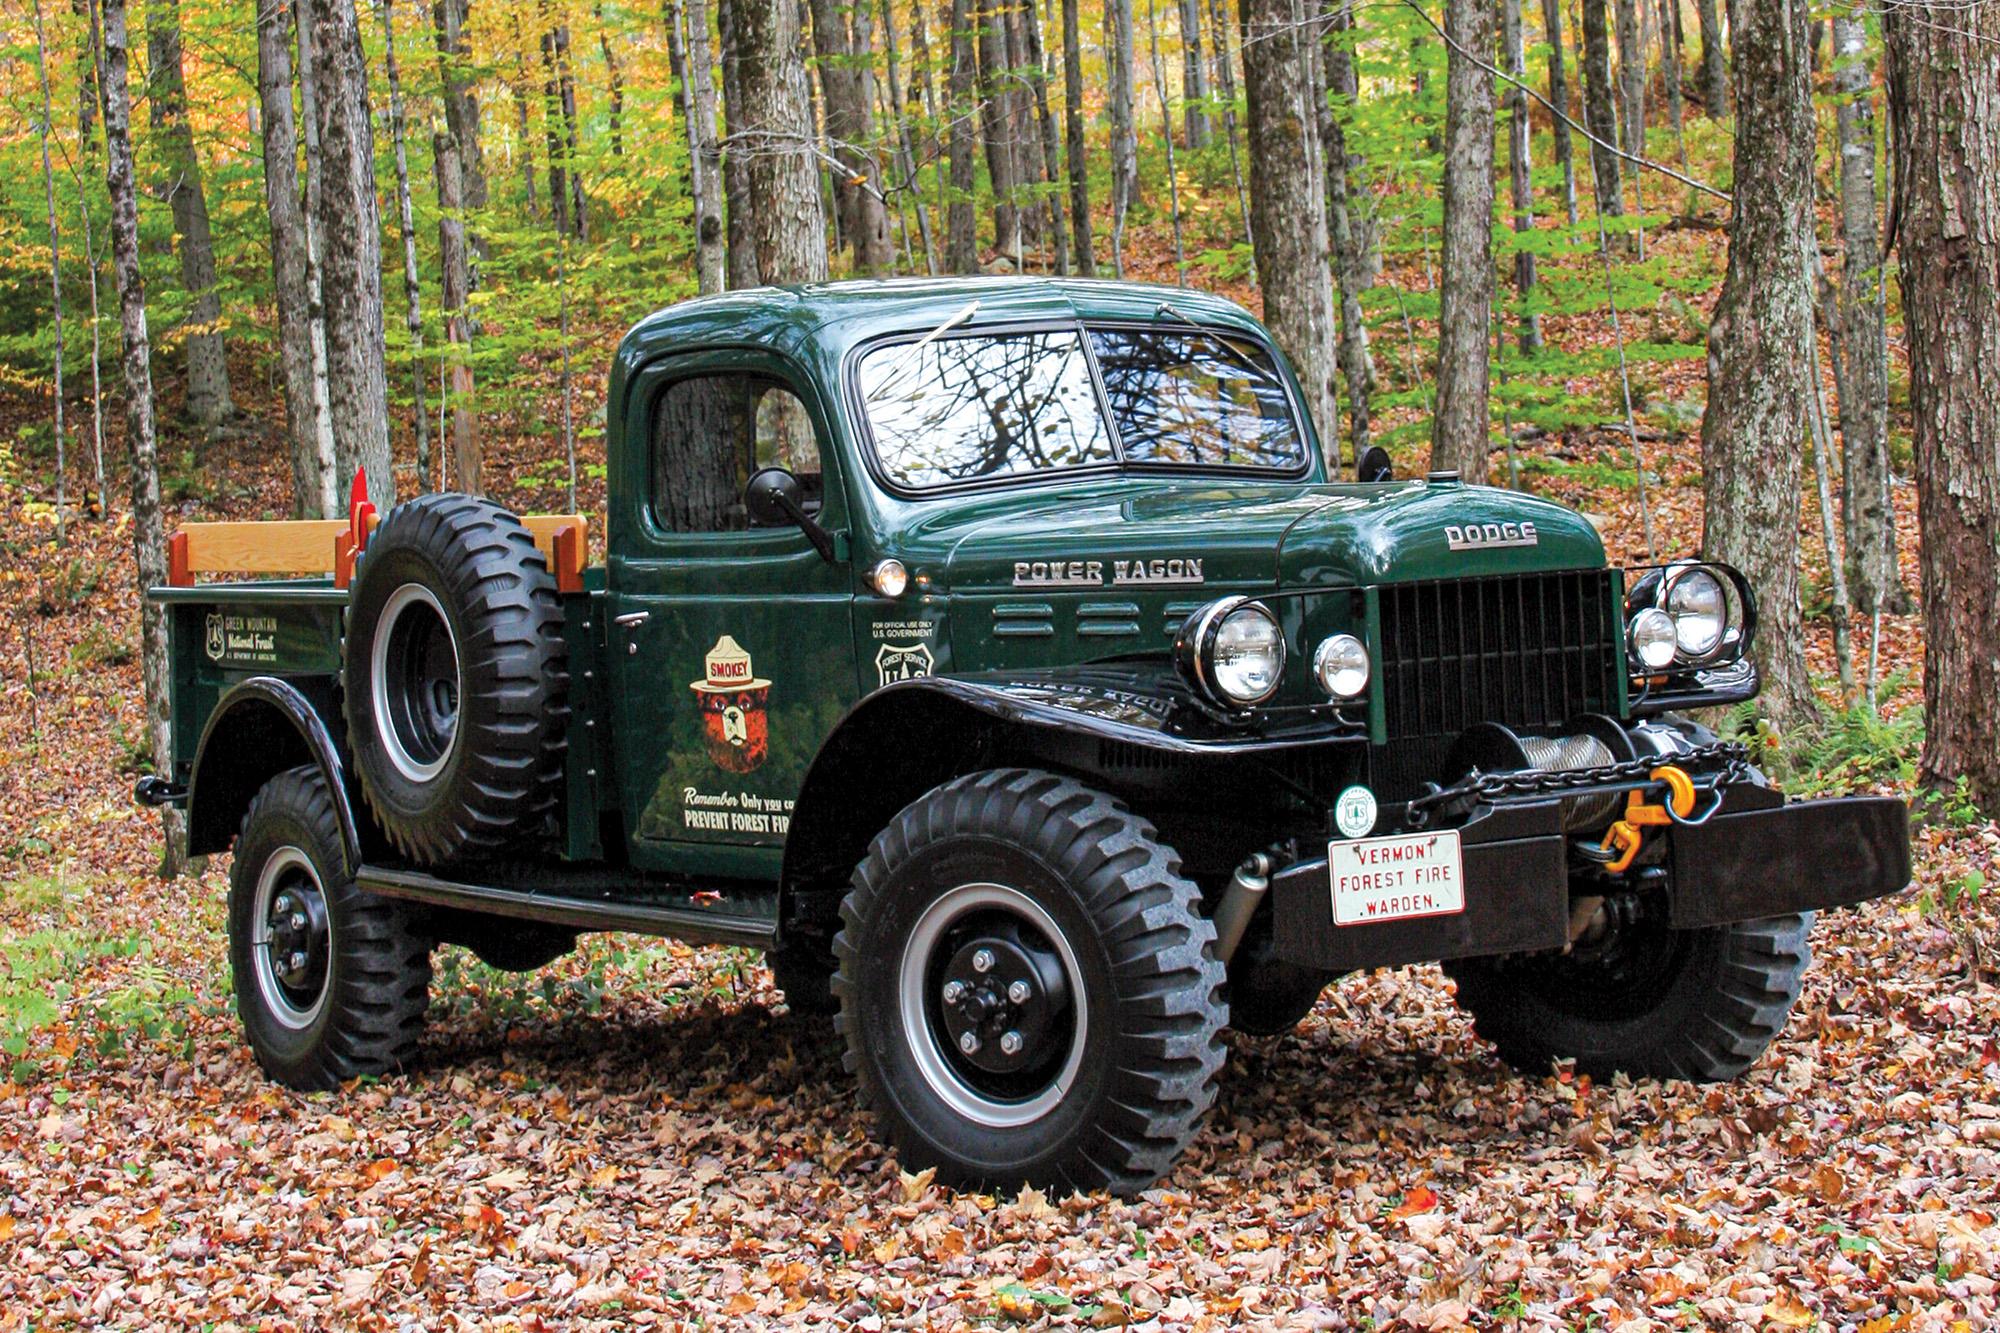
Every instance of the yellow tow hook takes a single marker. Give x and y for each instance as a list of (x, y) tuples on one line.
[(1624, 835)]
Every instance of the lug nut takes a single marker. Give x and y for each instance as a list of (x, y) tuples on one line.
[(1010, 1042), (296, 961), (952, 990), (982, 961), (969, 1043), (298, 921), (1019, 992)]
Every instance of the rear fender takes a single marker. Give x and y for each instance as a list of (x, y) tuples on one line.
[(260, 728)]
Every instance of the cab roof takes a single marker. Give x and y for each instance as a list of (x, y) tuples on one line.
[(828, 318)]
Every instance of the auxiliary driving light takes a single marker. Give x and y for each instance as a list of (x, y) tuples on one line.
[(1340, 664), (1652, 636)]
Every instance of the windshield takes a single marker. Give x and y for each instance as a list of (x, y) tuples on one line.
[(984, 406)]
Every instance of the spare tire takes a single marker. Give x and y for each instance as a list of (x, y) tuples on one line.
[(455, 679)]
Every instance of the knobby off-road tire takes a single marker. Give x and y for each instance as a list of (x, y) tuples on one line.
[(455, 679), (1074, 897), (1693, 1004), (331, 981)]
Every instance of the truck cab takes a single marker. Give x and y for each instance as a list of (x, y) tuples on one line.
[(1007, 661)]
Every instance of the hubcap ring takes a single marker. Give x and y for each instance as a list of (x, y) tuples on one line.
[(289, 888), (940, 1072), (417, 719)]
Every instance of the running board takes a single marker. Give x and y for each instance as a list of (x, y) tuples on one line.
[(681, 923)]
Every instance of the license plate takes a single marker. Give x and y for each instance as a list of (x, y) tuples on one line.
[(1396, 878)]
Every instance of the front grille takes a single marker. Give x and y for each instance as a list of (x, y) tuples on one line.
[(1527, 650)]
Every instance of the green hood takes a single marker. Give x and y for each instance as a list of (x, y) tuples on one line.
[(1205, 537)]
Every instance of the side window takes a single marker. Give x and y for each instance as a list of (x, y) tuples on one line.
[(710, 432)]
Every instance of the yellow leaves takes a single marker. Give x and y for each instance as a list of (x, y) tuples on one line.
[(340, 1127), (6, 1227), (1887, 1324), (740, 1304), (1828, 1183), (916, 1186), (1788, 1311), (604, 1177)]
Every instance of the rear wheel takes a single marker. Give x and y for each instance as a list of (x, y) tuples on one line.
[(331, 981), (1027, 989), (1643, 998)]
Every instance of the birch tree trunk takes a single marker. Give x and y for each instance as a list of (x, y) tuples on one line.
[(309, 447), (1287, 202), (149, 538), (1518, 134), (961, 221), (413, 317), (1073, 133), (1552, 27), (703, 154), (1755, 423), (787, 218), (736, 156), (1863, 381), (87, 95), (1600, 115), (1631, 79), (1194, 76), (1670, 73), (1124, 138), (350, 232), (1943, 67), (1459, 429), (208, 400), (1714, 78), (44, 129)]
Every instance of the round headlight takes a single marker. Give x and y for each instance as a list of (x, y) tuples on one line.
[(1700, 610), (890, 578), (1651, 634), (1246, 656), (1340, 664)]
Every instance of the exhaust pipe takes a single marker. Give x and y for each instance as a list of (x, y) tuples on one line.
[(1247, 887)]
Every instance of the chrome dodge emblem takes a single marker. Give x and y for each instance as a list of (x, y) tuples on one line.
[(1484, 536)]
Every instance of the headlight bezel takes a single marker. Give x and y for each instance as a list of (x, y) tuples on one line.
[(1194, 651), (1323, 666), (1652, 587)]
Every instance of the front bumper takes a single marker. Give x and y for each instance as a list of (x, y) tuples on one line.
[(1757, 857)]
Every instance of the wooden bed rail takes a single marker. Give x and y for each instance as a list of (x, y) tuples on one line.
[(325, 546)]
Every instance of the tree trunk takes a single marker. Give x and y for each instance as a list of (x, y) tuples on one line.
[(787, 218), (906, 157), (86, 75), (351, 255), (1459, 429), (149, 538), (1518, 134), (997, 125), (1757, 342), (1599, 114), (845, 86), (467, 456), (736, 156), (1559, 98), (1073, 134), (311, 451), (614, 74), (457, 76), (519, 89), (314, 249), (560, 129), (1631, 80), (1167, 143), (1670, 73), (1035, 61), (1714, 81), (208, 401), (1287, 203), (43, 131), (1943, 67), (413, 318), (1863, 380), (1194, 76), (1124, 139), (703, 154), (961, 220), (1350, 266)]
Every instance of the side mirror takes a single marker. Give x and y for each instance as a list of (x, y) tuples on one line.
[(774, 497), (1374, 465)]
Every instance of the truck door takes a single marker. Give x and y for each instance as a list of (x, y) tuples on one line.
[(730, 645)]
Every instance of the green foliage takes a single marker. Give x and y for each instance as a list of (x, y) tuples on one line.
[(1841, 750), (99, 647)]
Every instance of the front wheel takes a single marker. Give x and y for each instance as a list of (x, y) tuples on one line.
[(331, 981), (1643, 999), (1027, 989)]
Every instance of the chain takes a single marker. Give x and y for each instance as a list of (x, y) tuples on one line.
[(1732, 757)]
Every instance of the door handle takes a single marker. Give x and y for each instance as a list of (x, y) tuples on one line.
[(631, 618)]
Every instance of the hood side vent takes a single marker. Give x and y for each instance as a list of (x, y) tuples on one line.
[(1024, 620), (1097, 620)]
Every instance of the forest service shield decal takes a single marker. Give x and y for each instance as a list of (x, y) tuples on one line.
[(903, 661)]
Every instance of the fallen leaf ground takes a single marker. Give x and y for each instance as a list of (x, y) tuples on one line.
[(642, 1135)]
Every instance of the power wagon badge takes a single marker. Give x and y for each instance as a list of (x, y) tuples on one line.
[(734, 704)]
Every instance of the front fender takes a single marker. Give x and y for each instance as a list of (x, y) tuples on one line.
[(261, 727)]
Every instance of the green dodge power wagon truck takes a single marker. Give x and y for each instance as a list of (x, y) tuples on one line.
[(1002, 659)]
